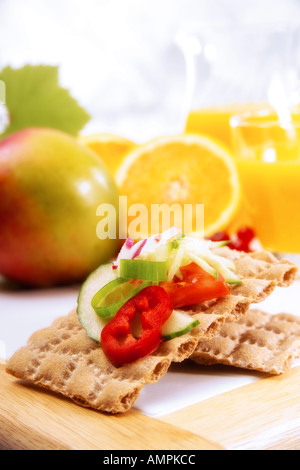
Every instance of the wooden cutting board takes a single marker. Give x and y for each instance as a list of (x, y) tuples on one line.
[(262, 415)]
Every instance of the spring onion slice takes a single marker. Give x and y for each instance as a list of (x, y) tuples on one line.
[(111, 297), (145, 270)]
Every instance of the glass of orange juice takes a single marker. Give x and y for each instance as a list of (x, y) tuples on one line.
[(267, 152), (229, 65)]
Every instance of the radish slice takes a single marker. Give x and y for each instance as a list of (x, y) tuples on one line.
[(129, 243), (139, 246)]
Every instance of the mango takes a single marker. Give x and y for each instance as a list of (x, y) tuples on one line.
[(50, 188)]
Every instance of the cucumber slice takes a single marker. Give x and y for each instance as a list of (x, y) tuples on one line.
[(178, 324), (91, 322)]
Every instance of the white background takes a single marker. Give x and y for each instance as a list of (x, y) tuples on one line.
[(120, 58)]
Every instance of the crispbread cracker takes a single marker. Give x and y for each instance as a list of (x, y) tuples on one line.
[(261, 265), (258, 341), (64, 359)]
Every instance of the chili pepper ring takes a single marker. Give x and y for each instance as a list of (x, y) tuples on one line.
[(154, 307)]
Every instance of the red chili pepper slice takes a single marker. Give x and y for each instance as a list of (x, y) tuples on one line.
[(153, 306)]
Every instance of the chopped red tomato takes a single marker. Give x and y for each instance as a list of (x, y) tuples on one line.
[(196, 286)]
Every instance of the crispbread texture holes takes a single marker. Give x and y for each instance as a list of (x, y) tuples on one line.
[(62, 358), (258, 341)]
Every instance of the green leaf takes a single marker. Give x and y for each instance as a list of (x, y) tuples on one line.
[(34, 98)]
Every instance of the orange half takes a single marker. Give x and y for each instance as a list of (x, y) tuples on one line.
[(110, 148), (183, 169)]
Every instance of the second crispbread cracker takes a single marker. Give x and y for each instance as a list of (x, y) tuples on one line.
[(64, 359), (258, 341)]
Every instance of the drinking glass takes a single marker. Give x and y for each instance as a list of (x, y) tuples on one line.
[(232, 69), (267, 153)]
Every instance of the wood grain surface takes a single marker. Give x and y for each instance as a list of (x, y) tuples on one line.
[(261, 415), (35, 419)]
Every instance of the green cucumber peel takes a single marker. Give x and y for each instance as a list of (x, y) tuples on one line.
[(182, 332), (178, 324)]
